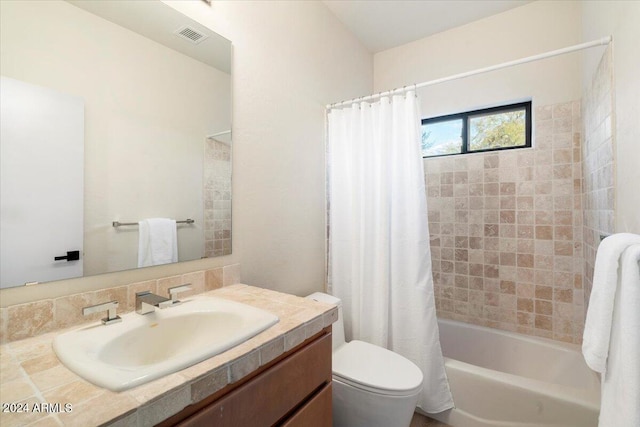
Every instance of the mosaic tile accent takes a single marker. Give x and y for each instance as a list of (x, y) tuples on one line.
[(506, 232)]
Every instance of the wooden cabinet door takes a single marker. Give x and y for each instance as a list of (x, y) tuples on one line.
[(315, 413), (269, 397)]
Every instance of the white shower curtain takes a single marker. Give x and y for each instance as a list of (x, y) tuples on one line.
[(380, 261)]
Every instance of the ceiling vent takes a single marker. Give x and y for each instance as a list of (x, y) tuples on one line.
[(190, 34)]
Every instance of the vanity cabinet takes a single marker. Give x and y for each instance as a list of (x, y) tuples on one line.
[(292, 391)]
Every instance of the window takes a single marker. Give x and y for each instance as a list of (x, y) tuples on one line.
[(497, 128)]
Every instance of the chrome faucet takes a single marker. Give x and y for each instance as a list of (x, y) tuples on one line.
[(146, 302), (173, 292), (109, 307)]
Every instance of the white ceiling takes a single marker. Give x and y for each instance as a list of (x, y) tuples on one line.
[(158, 22), (383, 24)]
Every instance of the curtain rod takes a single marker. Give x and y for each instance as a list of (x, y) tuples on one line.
[(600, 42)]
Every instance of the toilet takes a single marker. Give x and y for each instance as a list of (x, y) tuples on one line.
[(372, 386)]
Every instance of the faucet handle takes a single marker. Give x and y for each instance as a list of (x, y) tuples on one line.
[(110, 307), (176, 290)]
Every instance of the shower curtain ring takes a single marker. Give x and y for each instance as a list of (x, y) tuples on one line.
[(402, 92)]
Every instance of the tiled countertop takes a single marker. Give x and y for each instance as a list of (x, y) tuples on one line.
[(30, 372)]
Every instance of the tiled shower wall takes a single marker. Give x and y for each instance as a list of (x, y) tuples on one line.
[(217, 198), (598, 172), (506, 232)]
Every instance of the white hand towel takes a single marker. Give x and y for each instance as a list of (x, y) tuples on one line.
[(620, 401), (597, 328), (157, 242)]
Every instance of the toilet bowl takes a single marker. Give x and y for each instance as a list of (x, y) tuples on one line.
[(372, 386)]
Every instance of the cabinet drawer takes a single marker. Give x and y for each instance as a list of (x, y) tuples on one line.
[(267, 398), (315, 413)]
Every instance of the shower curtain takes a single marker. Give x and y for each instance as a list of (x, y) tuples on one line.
[(379, 256)]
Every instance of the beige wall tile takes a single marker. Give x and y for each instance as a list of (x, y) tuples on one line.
[(27, 320), (168, 282), (510, 229), (119, 294), (19, 419), (149, 285), (68, 310), (4, 314), (196, 281), (99, 410), (16, 390), (53, 377), (213, 279), (75, 392)]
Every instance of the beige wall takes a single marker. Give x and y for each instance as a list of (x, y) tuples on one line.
[(620, 20), (527, 30), (290, 59)]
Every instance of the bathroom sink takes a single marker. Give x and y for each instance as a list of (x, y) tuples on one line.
[(142, 348)]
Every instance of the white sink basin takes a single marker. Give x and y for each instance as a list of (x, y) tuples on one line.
[(142, 348)]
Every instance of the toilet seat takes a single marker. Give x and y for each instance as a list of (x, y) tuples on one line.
[(376, 369)]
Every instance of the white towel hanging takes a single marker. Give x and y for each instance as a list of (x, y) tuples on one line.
[(611, 341), (157, 242)]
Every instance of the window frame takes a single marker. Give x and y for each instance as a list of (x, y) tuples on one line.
[(465, 117)]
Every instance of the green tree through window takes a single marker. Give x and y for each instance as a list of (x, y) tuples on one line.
[(496, 128)]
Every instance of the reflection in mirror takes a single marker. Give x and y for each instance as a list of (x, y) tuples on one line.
[(217, 194), (156, 120)]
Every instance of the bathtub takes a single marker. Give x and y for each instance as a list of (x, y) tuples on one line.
[(505, 379)]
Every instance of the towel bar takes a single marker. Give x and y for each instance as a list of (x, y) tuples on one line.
[(118, 223)]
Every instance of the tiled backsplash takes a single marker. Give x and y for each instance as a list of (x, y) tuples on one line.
[(598, 170), (506, 232), (39, 317), (217, 198)]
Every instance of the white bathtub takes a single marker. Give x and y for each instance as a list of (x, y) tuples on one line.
[(505, 379)]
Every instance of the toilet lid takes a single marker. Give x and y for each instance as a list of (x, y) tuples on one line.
[(376, 369)]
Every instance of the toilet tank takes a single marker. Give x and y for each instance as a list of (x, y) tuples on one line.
[(337, 329)]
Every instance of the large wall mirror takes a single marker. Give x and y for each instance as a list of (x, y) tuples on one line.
[(113, 112)]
